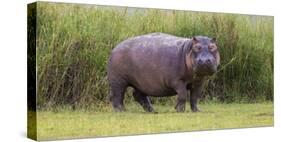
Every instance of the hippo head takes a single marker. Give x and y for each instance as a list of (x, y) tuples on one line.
[(203, 57)]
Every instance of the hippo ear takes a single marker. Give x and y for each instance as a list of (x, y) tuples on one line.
[(213, 40), (194, 40), (218, 58)]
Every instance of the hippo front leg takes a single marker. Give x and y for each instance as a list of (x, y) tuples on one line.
[(196, 91), (181, 98)]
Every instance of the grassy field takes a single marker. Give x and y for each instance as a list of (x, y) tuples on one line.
[(69, 124)]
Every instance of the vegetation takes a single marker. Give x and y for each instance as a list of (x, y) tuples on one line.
[(74, 42), (66, 123)]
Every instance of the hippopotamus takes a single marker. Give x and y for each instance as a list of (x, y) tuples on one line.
[(161, 65)]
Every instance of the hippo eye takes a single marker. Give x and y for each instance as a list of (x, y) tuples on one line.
[(212, 47), (197, 48)]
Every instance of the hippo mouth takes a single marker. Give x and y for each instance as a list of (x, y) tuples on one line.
[(205, 70)]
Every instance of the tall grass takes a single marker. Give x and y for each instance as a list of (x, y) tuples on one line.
[(75, 41)]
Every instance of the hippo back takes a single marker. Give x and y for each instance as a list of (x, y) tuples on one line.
[(150, 62)]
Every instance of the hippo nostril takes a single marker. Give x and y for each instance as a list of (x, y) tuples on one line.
[(208, 61)]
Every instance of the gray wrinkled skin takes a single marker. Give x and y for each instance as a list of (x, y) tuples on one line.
[(161, 65)]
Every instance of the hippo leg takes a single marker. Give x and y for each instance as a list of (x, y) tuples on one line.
[(116, 96), (193, 102), (181, 97), (196, 91), (143, 100)]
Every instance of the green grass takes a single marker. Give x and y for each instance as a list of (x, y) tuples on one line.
[(64, 123)]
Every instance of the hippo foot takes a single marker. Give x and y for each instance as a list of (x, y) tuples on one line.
[(155, 112), (152, 112), (119, 109), (195, 109), (148, 109), (180, 108)]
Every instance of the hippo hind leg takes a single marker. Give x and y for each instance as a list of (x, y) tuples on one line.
[(116, 96), (143, 100)]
